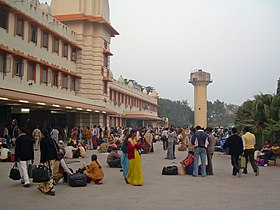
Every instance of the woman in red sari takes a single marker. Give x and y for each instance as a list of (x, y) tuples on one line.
[(134, 174)]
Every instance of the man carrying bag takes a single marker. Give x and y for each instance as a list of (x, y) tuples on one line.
[(47, 159), (235, 145), (24, 155)]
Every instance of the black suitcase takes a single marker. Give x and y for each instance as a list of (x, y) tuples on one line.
[(170, 170), (41, 174), (77, 180)]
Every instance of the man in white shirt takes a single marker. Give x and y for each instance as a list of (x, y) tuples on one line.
[(69, 151), (4, 157)]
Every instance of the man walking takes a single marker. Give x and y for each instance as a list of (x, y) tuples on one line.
[(210, 149), (235, 145), (24, 154), (199, 142), (164, 138), (249, 141)]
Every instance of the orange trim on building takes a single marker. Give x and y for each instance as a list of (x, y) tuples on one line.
[(142, 116), (23, 28), (15, 25), (107, 53), (29, 32), (81, 16)]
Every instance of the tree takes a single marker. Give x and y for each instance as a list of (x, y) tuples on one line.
[(220, 113), (278, 87), (262, 114), (178, 113)]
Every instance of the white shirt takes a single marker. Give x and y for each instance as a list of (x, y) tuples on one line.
[(4, 153), (69, 152)]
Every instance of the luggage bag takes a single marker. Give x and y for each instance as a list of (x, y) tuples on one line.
[(77, 180), (41, 174), (30, 169), (242, 162), (170, 170), (187, 161)]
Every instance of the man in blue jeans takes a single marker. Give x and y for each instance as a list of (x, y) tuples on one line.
[(200, 144)]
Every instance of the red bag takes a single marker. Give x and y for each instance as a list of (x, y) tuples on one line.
[(12, 158), (187, 161)]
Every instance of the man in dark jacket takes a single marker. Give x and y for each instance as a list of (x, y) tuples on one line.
[(24, 154), (235, 145), (200, 144)]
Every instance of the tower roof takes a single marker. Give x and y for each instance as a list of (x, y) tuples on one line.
[(200, 76)]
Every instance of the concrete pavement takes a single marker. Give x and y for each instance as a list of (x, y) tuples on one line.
[(221, 191)]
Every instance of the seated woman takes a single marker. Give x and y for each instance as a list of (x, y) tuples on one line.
[(94, 171), (114, 159), (62, 170), (82, 151), (267, 152), (103, 147), (111, 146)]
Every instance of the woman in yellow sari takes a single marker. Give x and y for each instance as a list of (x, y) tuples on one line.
[(134, 174)]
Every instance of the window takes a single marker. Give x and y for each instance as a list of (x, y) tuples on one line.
[(4, 14), (45, 40), (56, 45), (73, 84), (19, 26), (44, 75), (106, 60), (31, 71), (105, 88), (111, 95), (115, 96), (33, 33), (18, 67), (74, 55), (65, 81), (65, 50), (3, 57), (55, 78)]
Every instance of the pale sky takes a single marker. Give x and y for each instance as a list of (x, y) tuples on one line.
[(162, 41)]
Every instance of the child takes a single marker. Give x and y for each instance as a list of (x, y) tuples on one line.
[(94, 171)]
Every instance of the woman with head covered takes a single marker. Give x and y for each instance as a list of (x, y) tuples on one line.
[(134, 174)]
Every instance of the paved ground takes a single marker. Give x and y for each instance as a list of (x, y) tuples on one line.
[(221, 191)]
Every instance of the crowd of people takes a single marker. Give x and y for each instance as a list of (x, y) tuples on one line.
[(124, 147)]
